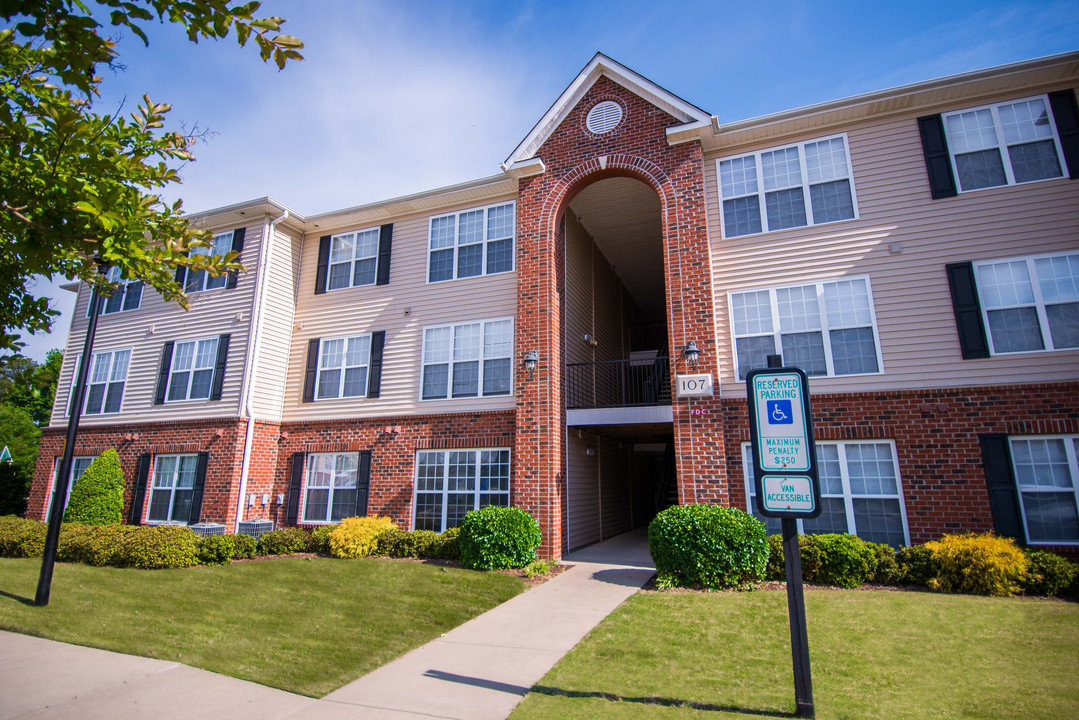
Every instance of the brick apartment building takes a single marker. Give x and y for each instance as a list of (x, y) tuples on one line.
[(519, 339)]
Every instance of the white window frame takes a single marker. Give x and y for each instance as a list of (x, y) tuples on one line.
[(220, 246), (309, 467), (805, 185), (342, 368), (1039, 303), (825, 328), (352, 262), (445, 492), (848, 497), (89, 381), (192, 370), (449, 375), (71, 480), (171, 489), (485, 242), (1073, 467), (1002, 145), (121, 292)]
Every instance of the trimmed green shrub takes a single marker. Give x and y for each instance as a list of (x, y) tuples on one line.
[(445, 546), (96, 545), (320, 539), (1048, 574), (163, 546), (245, 547), (708, 545), (837, 559), (777, 569), (357, 537), (285, 541), (916, 565), (398, 543), (887, 572), (978, 565), (217, 549), (493, 538), (21, 538), (98, 496)]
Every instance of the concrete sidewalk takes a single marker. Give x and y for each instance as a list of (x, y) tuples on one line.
[(479, 670)]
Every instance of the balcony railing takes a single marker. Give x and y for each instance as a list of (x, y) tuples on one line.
[(618, 383)]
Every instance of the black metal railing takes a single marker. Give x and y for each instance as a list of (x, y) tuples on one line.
[(618, 383)]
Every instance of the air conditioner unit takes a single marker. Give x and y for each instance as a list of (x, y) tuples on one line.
[(207, 529), (254, 528)]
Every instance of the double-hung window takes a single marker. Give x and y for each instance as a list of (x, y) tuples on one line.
[(860, 492), (105, 381), (825, 328), (1030, 303), (353, 259), (197, 280), (126, 296), (1047, 474), (471, 242), (192, 371), (330, 487), (173, 489), (343, 367), (809, 183), (78, 467), (467, 360), (449, 483), (1004, 144)]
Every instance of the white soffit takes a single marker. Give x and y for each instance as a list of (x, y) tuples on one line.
[(600, 66)]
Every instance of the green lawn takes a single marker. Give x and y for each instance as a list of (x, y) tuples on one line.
[(873, 654), (303, 625)]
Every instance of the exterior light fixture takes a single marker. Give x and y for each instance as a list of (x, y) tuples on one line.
[(530, 362), (692, 354)]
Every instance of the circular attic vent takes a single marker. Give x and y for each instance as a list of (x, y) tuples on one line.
[(603, 117)]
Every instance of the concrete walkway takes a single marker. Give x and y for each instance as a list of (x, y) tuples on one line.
[(479, 670)]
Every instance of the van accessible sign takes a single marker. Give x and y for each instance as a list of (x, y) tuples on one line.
[(781, 430)]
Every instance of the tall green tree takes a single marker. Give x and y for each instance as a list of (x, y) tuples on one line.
[(30, 386), (21, 436), (76, 184)]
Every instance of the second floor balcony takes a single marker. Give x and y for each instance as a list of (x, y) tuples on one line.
[(633, 382)]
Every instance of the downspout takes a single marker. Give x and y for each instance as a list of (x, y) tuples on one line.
[(256, 338)]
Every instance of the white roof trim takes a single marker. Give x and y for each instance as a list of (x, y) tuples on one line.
[(526, 168), (600, 66)]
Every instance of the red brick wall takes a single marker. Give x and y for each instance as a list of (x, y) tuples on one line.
[(575, 158)]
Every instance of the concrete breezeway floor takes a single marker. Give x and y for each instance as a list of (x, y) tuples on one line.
[(479, 670)]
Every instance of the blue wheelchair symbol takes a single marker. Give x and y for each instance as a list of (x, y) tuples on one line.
[(780, 412)]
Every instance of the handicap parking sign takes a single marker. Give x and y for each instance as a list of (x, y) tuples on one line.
[(780, 412)]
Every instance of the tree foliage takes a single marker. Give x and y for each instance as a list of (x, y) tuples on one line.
[(76, 185), (30, 386)]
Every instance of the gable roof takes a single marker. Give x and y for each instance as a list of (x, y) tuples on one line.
[(599, 66)]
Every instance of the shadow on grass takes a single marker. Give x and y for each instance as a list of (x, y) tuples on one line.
[(18, 598)]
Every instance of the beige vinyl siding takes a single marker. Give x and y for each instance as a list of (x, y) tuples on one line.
[(147, 329), (583, 490), (616, 487), (915, 321), (579, 256), (278, 317), (371, 308)]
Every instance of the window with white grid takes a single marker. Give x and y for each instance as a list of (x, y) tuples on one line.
[(467, 360), (471, 242), (860, 492), (449, 483), (1004, 144), (1047, 474), (1030, 304), (191, 373), (825, 328), (219, 246), (330, 487), (353, 259), (105, 381), (808, 183), (173, 488), (343, 365), (126, 296)]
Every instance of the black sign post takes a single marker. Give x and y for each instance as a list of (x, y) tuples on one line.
[(787, 487)]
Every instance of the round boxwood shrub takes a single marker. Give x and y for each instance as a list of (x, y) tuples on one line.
[(98, 496), (20, 537), (216, 549), (445, 546), (245, 547), (357, 537), (837, 559), (285, 541), (707, 545), (494, 538), (887, 572), (777, 569), (916, 565), (1049, 574)]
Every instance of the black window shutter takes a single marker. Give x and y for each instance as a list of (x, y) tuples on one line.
[(374, 372), (385, 241), (199, 487), (1066, 115), (323, 264), (71, 390), (311, 371), (238, 247), (163, 373), (937, 161), (139, 495), (295, 488), (968, 311), (1003, 496), (219, 367), (363, 483)]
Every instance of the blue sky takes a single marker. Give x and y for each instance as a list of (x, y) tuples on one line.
[(400, 97)]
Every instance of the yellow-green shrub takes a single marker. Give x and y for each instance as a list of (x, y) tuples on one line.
[(358, 536), (21, 538), (978, 564)]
